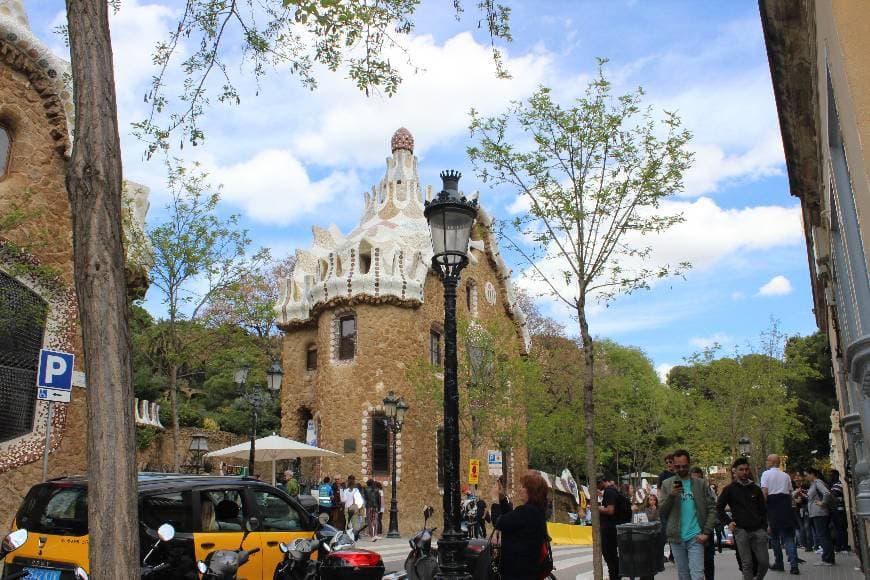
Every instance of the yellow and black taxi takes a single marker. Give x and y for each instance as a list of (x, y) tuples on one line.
[(208, 513)]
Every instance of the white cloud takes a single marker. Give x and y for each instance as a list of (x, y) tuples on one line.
[(662, 371), (433, 103), (777, 286), (708, 341), (274, 187), (709, 235)]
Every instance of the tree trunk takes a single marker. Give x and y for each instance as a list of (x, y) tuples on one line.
[(589, 428), (173, 405), (94, 186)]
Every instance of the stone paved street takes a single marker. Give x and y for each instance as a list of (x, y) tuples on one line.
[(575, 562)]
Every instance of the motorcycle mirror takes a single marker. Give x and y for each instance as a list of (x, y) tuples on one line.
[(200, 565), (323, 518), (80, 574), (15, 540), (166, 532), (283, 547)]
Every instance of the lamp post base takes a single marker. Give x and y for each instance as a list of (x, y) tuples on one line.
[(394, 520), (451, 551)]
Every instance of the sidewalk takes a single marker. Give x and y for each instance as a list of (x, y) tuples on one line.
[(726, 568)]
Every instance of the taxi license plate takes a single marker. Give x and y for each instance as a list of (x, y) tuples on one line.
[(42, 574)]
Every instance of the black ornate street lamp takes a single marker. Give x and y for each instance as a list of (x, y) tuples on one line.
[(451, 217), (257, 397), (394, 409)]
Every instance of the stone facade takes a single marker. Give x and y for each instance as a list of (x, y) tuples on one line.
[(36, 115), (393, 323), (819, 54)]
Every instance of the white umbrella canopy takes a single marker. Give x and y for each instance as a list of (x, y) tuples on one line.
[(273, 448)]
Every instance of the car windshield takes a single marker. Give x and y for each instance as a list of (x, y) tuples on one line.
[(54, 508)]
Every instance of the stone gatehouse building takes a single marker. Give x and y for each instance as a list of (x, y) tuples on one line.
[(358, 312)]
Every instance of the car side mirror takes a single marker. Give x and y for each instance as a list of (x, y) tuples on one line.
[(166, 532), (15, 540)]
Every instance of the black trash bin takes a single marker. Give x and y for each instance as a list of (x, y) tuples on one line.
[(640, 549)]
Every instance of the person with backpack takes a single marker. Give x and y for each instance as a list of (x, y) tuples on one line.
[(324, 496), (525, 546), (614, 509)]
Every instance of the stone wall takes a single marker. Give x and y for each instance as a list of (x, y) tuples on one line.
[(341, 395), (34, 116)]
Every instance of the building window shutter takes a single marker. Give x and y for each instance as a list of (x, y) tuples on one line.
[(380, 446), (347, 337), (435, 348), (311, 358)]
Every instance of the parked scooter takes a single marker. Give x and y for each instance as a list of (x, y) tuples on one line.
[(12, 542), (225, 564), (338, 558), (422, 560), (165, 533)]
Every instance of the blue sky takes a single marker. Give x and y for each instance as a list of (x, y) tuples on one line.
[(290, 158)]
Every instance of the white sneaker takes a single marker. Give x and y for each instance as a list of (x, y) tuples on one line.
[(819, 551)]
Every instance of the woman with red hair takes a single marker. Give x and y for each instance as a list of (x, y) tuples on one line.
[(524, 529)]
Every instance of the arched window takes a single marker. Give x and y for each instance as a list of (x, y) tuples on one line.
[(311, 357), (22, 323), (5, 150), (380, 450), (345, 336)]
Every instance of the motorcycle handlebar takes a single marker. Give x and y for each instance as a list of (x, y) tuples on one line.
[(245, 554)]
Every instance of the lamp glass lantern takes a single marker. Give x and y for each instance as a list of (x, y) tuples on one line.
[(744, 445), (199, 442), (450, 218), (274, 376), (401, 408), (390, 404), (240, 377)]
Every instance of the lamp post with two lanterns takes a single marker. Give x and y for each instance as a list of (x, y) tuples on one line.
[(257, 397), (451, 217), (394, 409)]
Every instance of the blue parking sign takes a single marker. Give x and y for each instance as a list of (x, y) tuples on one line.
[(55, 370)]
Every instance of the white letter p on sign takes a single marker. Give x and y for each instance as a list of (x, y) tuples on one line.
[(56, 368)]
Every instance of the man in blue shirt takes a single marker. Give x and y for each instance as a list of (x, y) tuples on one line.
[(691, 515), (324, 496)]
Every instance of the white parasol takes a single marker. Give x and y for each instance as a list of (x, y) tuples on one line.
[(273, 447)]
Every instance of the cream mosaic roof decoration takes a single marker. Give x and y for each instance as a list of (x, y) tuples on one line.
[(387, 256), (15, 32)]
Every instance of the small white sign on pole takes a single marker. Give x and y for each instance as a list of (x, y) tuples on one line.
[(493, 462)]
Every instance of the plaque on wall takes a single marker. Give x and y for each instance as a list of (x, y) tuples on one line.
[(489, 292), (350, 445)]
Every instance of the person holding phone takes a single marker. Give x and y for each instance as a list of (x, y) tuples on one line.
[(691, 515)]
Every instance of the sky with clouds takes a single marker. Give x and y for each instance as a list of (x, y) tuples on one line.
[(289, 157)]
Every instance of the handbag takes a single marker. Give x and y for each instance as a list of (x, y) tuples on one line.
[(545, 563)]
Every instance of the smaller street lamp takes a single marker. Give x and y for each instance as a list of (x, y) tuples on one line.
[(394, 409), (257, 397), (744, 445), (196, 450)]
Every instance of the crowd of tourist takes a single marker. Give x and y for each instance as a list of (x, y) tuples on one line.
[(778, 511)]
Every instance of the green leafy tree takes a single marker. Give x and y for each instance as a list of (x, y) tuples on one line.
[(811, 383), (197, 257), (495, 380), (594, 175)]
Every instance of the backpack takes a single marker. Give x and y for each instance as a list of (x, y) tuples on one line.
[(623, 509), (545, 561)]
